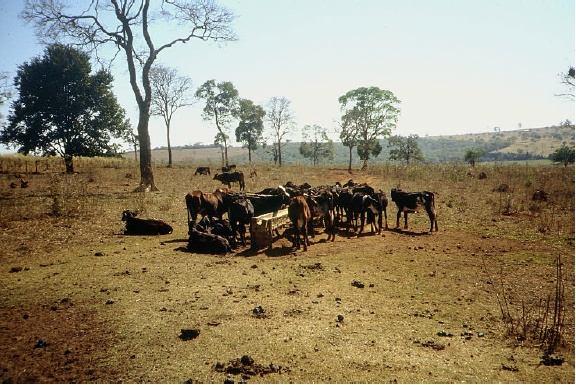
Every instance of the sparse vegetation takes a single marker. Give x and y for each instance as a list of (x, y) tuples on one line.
[(140, 288)]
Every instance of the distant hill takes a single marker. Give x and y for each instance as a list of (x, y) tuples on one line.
[(535, 143)]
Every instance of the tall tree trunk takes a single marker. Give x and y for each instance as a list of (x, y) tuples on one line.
[(226, 151), (350, 160), (364, 165), (135, 152), (69, 163), (146, 174), (169, 148), (249, 155), (279, 155)]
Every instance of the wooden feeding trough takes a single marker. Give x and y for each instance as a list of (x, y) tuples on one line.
[(264, 226)]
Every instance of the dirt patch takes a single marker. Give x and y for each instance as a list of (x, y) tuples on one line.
[(56, 343)]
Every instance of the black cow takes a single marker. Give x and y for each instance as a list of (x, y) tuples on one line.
[(273, 201), (201, 242), (408, 202), (202, 171), (140, 226), (240, 212), (229, 177)]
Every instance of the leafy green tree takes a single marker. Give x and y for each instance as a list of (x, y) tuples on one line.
[(169, 94), (316, 144), (472, 155), (371, 113), (63, 109), (281, 119), (563, 155), (405, 148), (133, 28), (250, 126), (221, 107)]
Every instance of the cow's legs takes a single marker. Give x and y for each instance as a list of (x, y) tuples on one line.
[(405, 220), (305, 233), (398, 218)]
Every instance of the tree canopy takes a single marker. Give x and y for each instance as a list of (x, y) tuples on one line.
[(250, 125), (405, 148), (316, 144), (64, 109), (371, 113), (221, 106), (472, 155), (564, 155)]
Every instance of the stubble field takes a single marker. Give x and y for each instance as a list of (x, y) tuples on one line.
[(81, 302)]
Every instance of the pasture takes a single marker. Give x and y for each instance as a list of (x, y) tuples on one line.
[(81, 302)]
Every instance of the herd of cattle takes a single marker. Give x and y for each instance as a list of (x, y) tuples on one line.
[(348, 207)]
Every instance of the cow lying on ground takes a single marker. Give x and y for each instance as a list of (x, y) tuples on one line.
[(202, 171), (229, 177), (211, 204), (200, 242), (408, 202), (139, 226), (299, 214), (215, 226)]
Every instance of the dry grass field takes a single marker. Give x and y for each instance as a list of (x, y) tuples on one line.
[(81, 302)]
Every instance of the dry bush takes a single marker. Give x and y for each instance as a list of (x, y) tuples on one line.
[(539, 317)]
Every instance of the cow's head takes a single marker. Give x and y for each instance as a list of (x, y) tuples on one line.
[(128, 214)]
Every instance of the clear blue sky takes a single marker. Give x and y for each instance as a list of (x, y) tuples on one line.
[(457, 66)]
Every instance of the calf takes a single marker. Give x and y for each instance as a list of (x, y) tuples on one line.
[(139, 226), (299, 214), (408, 202), (240, 213), (215, 226), (202, 171), (200, 242), (322, 206), (229, 177)]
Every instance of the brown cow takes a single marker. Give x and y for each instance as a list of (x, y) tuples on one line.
[(299, 214), (201, 203)]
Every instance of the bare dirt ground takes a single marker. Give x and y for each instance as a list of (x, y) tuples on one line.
[(81, 302)]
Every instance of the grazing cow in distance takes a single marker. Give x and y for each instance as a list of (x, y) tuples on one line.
[(408, 202), (139, 226), (229, 177), (202, 171), (299, 214), (228, 168), (200, 242), (540, 195), (211, 204)]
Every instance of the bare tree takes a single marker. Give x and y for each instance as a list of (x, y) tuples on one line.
[(281, 119), (169, 93), (568, 80), (126, 25)]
